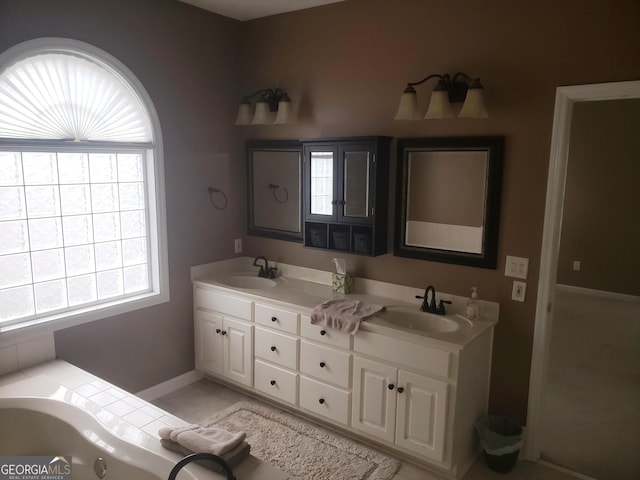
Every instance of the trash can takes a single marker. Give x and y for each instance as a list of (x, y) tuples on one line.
[(501, 440)]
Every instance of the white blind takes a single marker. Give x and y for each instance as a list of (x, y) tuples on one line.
[(58, 96)]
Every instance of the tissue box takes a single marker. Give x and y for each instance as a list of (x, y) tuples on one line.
[(342, 282)]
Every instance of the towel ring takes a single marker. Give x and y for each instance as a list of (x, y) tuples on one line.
[(276, 187), (211, 191)]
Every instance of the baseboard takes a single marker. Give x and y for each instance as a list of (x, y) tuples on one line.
[(571, 473), (598, 293), (169, 386)]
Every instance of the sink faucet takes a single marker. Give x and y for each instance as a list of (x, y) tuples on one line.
[(265, 270), (224, 466), (430, 306)]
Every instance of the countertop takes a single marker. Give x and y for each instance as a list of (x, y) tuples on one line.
[(304, 289)]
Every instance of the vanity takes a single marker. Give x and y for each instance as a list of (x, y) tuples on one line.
[(408, 382)]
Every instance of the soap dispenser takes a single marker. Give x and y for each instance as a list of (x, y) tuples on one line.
[(473, 305)]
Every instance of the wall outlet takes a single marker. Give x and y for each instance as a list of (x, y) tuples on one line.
[(237, 246), (576, 265), (516, 267), (519, 289)]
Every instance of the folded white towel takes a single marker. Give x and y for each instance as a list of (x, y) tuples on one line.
[(203, 440), (343, 314)]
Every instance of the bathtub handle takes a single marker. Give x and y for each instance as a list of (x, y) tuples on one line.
[(100, 467)]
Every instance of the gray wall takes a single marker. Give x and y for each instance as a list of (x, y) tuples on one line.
[(600, 226), (187, 60)]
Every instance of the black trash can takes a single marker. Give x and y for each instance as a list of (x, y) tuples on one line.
[(501, 440)]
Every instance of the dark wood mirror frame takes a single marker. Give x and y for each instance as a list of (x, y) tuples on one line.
[(493, 146), (283, 196)]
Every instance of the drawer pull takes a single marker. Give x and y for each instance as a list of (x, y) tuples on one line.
[(321, 401), (272, 382), (400, 389), (274, 319), (273, 348), (322, 364), (218, 331), (323, 332), (391, 386)]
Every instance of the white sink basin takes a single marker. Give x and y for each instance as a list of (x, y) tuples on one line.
[(247, 282), (413, 319)]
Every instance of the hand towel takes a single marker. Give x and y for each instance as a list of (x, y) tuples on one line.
[(343, 314), (232, 457), (203, 440)]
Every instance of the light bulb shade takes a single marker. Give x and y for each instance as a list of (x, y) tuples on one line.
[(285, 111), (263, 115), (245, 115), (439, 106), (408, 108), (474, 104)]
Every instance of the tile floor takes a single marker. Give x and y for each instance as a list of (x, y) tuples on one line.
[(202, 399)]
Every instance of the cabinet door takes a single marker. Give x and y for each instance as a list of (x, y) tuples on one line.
[(355, 183), (422, 414), (374, 398), (238, 354), (321, 174), (208, 339)]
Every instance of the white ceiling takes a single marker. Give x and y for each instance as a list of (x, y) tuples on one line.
[(250, 9)]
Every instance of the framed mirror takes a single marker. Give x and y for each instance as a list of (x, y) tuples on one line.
[(448, 199), (274, 172)]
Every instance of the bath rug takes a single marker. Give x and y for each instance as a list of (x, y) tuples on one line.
[(300, 448)]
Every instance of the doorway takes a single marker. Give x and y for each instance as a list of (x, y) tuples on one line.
[(556, 339)]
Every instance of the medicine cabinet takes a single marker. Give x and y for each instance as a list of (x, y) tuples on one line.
[(346, 194)]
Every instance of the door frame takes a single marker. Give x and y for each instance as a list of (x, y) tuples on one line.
[(566, 97)]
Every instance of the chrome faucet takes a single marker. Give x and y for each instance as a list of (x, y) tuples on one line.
[(265, 270), (430, 306), (224, 466)]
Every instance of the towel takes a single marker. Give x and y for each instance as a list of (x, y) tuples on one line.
[(232, 457), (343, 314), (203, 440)]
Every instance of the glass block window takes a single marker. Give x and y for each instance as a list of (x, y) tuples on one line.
[(81, 199)]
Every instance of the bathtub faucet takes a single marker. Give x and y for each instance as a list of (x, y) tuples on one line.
[(224, 466)]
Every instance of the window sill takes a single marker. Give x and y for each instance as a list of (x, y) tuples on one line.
[(24, 331)]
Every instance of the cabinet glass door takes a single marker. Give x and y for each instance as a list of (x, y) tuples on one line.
[(356, 184), (321, 185)]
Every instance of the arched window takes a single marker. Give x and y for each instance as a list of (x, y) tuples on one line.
[(82, 215)]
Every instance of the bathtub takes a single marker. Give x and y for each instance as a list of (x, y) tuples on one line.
[(42, 414), (49, 427)]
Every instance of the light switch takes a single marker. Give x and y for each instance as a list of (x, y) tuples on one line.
[(576, 265), (516, 267)]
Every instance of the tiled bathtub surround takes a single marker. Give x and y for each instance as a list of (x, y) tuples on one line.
[(24, 354), (112, 406)]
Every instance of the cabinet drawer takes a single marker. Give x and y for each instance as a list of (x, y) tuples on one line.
[(325, 363), (330, 336), (273, 317), (418, 357), (325, 400), (276, 348), (212, 300), (276, 382)]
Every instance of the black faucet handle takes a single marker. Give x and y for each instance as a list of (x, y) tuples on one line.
[(420, 297), (441, 310)]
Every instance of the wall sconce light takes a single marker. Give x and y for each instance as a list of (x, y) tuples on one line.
[(448, 90), (272, 107)]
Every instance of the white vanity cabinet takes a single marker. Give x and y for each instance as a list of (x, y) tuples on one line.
[(400, 407), (223, 342), (416, 396)]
